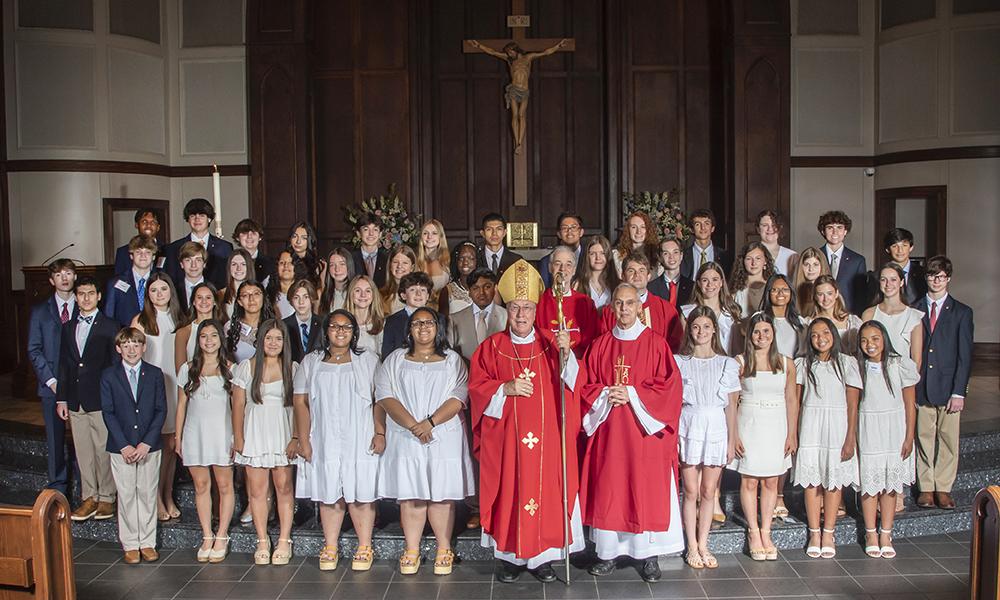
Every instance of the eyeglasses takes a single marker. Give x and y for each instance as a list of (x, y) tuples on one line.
[(336, 327), (250, 295), (423, 324), (938, 278), (569, 228), (781, 291)]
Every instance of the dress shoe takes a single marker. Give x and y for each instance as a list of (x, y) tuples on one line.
[(545, 573), (602, 568), (131, 557), (85, 511), (507, 572), (149, 554), (105, 510), (473, 522), (945, 501), (925, 500), (650, 571)]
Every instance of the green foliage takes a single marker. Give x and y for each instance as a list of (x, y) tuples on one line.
[(398, 226), (663, 208)]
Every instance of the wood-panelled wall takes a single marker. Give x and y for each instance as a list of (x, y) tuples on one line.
[(348, 96)]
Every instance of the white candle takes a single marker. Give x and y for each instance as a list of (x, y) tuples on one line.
[(217, 199)]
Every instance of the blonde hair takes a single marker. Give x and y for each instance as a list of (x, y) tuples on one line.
[(442, 254), (391, 288), (376, 316), (804, 289), (839, 308)]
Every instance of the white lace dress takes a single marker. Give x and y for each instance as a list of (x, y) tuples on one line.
[(790, 342), (267, 427), (726, 322), (882, 428), (702, 432), (823, 425)]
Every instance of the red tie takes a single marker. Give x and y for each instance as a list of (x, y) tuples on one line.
[(65, 313), (933, 315), (672, 292)]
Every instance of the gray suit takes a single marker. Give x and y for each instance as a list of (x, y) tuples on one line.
[(462, 328)]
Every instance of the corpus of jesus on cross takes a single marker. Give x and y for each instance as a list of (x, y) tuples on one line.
[(519, 52)]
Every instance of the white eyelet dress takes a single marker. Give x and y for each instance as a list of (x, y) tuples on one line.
[(703, 434), (882, 428), (267, 427)]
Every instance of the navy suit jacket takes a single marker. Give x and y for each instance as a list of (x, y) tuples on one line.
[(123, 262), (80, 376), (851, 277), (658, 287), (947, 353), (543, 265), (394, 332), (132, 421), (508, 258), (689, 266), (44, 337), (123, 306), (381, 264), (215, 269), (295, 336)]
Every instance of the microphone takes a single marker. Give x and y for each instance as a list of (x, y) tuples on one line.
[(56, 253)]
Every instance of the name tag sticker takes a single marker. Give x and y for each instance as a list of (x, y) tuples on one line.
[(874, 367), (123, 286)]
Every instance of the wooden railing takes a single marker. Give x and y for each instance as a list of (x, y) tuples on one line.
[(984, 579), (36, 550)]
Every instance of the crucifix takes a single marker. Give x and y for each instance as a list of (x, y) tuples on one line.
[(519, 52)]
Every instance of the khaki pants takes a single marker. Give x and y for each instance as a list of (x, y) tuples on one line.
[(90, 439), (937, 448), (138, 486)]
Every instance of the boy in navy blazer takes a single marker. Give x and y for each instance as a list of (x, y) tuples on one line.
[(944, 381), (126, 293), (198, 213), (86, 348), (370, 258), (134, 405), (44, 333), (414, 290), (847, 266), (305, 333)]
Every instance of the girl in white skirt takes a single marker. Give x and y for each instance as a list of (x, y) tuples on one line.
[(426, 466), (205, 434), (886, 428), (264, 440), (341, 435), (828, 385), (766, 430), (707, 427)]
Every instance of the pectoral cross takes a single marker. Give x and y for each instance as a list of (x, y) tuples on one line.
[(519, 52), (528, 374), (621, 371)]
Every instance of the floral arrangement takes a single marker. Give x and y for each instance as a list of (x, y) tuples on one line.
[(663, 208), (398, 226)]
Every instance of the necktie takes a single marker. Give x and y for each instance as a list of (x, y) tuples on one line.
[(933, 316), (496, 264), (672, 292), (64, 315), (834, 265), (704, 259), (481, 326), (141, 291), (370, 265), (305, 336), (133, 382)]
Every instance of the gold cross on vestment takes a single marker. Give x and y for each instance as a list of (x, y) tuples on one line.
[(530, 440), (622, 371), (528, 374), (531, 507)]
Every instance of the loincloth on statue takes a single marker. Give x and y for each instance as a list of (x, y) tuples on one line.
[(512, 93)]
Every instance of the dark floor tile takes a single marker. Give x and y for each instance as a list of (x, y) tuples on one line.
[(818, 568), (619, 590), (104, 590), (833, 585), (917, 566), (957, 566), (189, 557), (907, 550), (783, 586), (222, 573), (733, 588), (731, 571), (379, 573), (99, 555), (580, 589), (81, 546), (309, 572), (402, 589), (206, 589), (129, 573), (937, 583), (471, 571), (667, 588), (961, 536), (945, 550), (947, 596), (867, 566), (84, 573), (771, 568), (674, 569), (308, 591), (524, 588), (360, 591), (256, 590), (935, 538), (273, 574), (887, 585), (458, 590), (174, 573), (157, 589), (851, 551)]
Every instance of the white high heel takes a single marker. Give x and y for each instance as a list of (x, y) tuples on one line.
[(813, 551), (887, 551), (873, 551), (205, 555), (828, 551)]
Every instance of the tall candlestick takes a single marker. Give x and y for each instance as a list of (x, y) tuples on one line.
[(217, 199)]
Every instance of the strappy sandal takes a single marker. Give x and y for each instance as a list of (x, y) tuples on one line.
[(873, 551), (409, 562), (363, 558), (217, 556), (203, 554), (770, 552), (760, 554), (443, 562), (281, 558), (828, 551), (709, 559), (814, 551), (887, 551), (262, 556), (780, 510), (328, 558), (693, 560)]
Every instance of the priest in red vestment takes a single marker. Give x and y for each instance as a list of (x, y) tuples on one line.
[(657, 314), (517, 438), (631, 405), (579, 313)]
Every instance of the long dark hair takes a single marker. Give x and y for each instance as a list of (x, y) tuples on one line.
[(440, 335), (147, 318), (811, 357), (251, 273), (285, 357), (197, 363), (329, 285), (310, 260), (774, 359), (192, 312), (355, 332), (738, 279), (791, 311), (609, 276), (888, 352), (266, 312), (726, 301), (878, 277), (687, 348)]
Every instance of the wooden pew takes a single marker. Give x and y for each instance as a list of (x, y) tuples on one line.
[(36, 550), (984, 579)]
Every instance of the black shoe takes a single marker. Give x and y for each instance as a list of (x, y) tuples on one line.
[(545, 573), (602, 568), (650, 571), (507, 572)]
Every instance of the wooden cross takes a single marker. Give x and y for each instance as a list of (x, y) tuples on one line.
[(518, 52)]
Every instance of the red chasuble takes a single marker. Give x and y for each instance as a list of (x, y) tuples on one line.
[(626, 474), (581, 318), (520, 464), (658, 314)]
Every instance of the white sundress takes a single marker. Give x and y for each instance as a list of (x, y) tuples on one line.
[(762, 422), (703, 432), (208, 424), (899, 327), (882, 428), (267, 427)]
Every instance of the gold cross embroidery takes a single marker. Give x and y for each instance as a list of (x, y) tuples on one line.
[(528, 374), (531, 507), (621, 371), (530, 440)]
